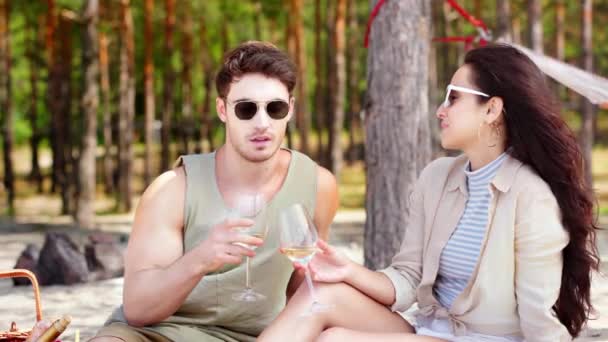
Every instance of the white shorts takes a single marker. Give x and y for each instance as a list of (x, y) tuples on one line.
[(440, 328)]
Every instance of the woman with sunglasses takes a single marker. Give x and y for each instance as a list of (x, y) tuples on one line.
[(500, 244)]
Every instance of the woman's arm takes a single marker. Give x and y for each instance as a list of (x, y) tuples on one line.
[(375, 285), (404, 273), (539, 241)]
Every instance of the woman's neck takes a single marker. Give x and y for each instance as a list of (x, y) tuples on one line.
[(483, 156)]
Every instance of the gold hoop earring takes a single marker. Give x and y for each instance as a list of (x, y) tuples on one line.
[(495, 130)]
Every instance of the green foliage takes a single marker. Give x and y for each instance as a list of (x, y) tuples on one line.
[(239, 19)]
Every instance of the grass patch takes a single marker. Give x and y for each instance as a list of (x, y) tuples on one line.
[(352, 182), (352, 186), (600, 178)]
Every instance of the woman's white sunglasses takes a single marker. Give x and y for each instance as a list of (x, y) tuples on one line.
[(446, 102)]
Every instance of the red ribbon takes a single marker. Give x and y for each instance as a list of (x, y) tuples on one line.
[(476, 22), (372, 16), (469, 40)]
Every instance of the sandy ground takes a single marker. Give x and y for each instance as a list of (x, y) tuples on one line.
[(90, 304)]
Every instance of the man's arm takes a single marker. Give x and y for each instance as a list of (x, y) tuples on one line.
[(158, 275), (327, 202)]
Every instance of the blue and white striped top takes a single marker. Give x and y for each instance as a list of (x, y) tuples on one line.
[(459, 257)]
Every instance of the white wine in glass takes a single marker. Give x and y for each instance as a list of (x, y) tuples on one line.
[(298, 243), (300, 255), (251, 206)]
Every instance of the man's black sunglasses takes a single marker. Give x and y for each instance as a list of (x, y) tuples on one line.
[(276, 109)]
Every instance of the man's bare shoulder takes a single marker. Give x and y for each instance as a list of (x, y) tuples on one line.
[(169, 183), (327, 200), (326, 181), (158, 221), (165, 194)]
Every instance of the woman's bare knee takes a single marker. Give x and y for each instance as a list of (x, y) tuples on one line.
[(332, 335), (325, 293), (106, 339)]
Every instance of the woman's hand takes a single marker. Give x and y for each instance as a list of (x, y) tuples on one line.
[(328, 265), (39, 328)]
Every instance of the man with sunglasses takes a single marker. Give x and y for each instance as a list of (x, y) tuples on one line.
[(184, 261)]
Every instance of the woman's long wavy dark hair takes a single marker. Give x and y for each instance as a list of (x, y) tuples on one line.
[(539, 137)]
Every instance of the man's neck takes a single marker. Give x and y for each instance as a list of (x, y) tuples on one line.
[(240, 173)]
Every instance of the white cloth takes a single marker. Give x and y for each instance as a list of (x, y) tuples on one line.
[(440, 328), (591, 86)]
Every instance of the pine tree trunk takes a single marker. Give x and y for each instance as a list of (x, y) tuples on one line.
[(62, 119), (535, 25), (450, 52), (126, 107), (224, 37), (206, 129), (52, 95), (206, 132), (290, 43), (168, 81), (330, 77), (587, 129), (560, 43), (445, 52), (32, 52), (148, 89), (477, 8), (104, 67), (560, 34), (73, 118), (516, 24), (5, 103), (396, 146), (319, 83), (290, 34), (85, 214), (275, 33), (434, 96), (257, 21), (503, 19), (302, 114), (339, 46), (187, 123), (459, 48), (352, 79)]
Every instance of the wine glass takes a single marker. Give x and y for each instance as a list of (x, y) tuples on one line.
[(298, 243), (253, 207)]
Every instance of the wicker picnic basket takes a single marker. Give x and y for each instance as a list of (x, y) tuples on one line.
[(14, 334)]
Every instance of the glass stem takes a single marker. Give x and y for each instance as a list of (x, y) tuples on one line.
[(311, 287), (247, 280)]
